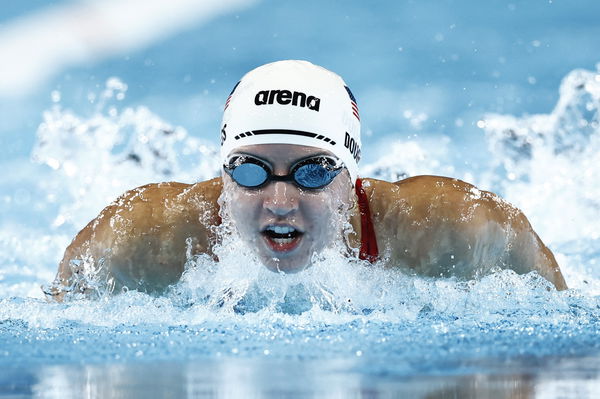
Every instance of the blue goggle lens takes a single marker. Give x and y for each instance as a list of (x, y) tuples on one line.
[(313, 175), (249, 175)]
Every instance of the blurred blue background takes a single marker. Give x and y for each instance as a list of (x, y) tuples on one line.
[(416, 67)]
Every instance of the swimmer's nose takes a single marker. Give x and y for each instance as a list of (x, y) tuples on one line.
[(281, 198)]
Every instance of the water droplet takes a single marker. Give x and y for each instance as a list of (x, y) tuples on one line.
[(55, 96)]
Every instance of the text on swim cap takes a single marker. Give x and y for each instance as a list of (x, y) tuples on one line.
[(285, 97), (223, 134), (352, 146)]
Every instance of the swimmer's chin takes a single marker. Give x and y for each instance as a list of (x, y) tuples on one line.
[(277, 266), (291, 260)]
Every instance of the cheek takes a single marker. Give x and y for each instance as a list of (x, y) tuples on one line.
[(319, 213), (243, 208), (328, 211)]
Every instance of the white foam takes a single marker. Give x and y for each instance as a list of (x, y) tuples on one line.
[(548, 165), (97, 157)]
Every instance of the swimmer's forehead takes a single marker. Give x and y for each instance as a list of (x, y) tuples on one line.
[(281, 153)]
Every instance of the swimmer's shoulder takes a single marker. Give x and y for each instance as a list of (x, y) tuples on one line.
[(152, 224), (428, 195), (423, 186), (171, 192), (413, 191), (168, 195), (152, 207), (436, 215)]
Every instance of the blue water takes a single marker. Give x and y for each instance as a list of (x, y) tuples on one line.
[(502, 94)]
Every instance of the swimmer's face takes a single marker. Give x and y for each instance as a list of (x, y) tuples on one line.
[(282, 222)]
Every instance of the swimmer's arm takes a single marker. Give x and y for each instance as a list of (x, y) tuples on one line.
[(438, 226), (522, 249), (144, 238), (527, 248), (84, 252)]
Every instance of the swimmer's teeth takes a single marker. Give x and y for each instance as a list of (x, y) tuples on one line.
[(283, 240), (282, 229), (282, 234)]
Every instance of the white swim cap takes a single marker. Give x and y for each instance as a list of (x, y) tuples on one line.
[(293, 102)]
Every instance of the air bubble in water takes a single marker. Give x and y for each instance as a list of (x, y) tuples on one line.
[(116, 84), (55, 96)]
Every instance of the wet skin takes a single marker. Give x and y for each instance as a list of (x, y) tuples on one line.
[(427, 225), (314, 215)]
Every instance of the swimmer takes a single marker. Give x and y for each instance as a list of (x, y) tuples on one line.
[(290, 147)]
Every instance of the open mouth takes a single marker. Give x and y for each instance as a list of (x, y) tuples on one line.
[(282, 238)]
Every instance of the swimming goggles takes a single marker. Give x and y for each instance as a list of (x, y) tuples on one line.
[(311, 173)]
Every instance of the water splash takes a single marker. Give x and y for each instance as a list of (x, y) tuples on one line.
[(405, 158), (97, 157), (548, 165)]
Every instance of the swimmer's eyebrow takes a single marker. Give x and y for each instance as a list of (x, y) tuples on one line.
[(245, 154), (291, 163)]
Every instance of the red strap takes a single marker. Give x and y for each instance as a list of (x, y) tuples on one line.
[(368, 241)]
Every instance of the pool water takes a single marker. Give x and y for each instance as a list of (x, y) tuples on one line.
[(342, 328)]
